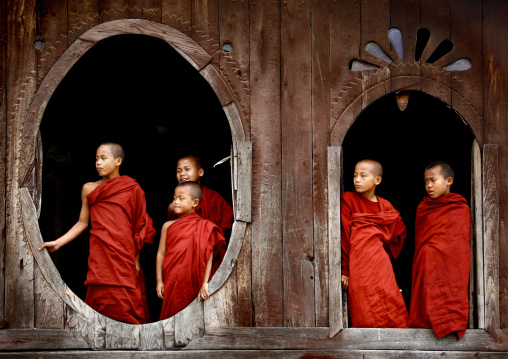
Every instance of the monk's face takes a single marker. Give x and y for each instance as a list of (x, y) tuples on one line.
[(435, 184), (365, 180), (105, 163), (183, 203), (186, 170)]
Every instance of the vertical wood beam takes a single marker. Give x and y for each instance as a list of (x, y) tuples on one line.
[(3, 140), (146, 9), (477, 219), (297, 211), (177, 14), (205, 26), (20, 85), (110, 10), (82, 15), (491, 238), (267, 279)]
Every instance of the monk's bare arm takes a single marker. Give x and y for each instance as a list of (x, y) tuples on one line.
[(345, 282), (203, 291), (160, 259), (79, 227)]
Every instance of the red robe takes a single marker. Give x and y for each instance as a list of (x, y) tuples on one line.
[(120, 228), (439, 298), (372, 235), (190, 241), (215, 208)]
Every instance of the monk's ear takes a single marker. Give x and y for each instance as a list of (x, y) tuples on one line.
[(449, 181), (378, 180), (195, 202), (201, 172), (119, 161)]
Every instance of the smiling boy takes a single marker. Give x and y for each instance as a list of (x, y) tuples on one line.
[(440, 278), (372, 235), (120, 227), (190, 251), (212, 206)]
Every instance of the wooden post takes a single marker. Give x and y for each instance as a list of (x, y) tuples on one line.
[(334, 277), (491, 239)]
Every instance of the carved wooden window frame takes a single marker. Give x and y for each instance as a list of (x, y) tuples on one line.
[(101, 332)]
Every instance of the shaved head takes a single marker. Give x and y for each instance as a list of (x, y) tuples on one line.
[(195, 159), (115, 149), (445, 169), (377, 169), (193, 188)]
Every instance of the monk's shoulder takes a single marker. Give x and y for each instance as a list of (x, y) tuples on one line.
[(89, 187), (384, 203)]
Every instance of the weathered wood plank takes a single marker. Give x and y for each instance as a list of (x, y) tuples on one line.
[(189, 323), (234, 65), (217, 83), (477, 219), (348, 339), (205, 27), (334, 271), (121, 335), (221, 309), (405, 73), (244, 194), (3, 140), (146, 9), (467, 86), (80, 326), (435, 16), (244, 278), (267, 277), (49, 308), (375, 19), (177, 14), (169, 332), (110, 10), (345, 85), (53, 31), (495, 90), (151, 336), (491, 238), (288, 354), (82, 15), (235, 122), (21, 63), (298, 249), (320, 18), (39, 339)]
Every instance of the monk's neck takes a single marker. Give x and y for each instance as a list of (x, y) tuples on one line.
[(369, 196), (110, 177)]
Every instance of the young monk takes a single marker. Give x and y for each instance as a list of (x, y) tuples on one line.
[(213, 206), (372, 236), (440, 279), (120, 227), (190, 251)]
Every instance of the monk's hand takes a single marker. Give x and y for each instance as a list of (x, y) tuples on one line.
[(52, 246), (345, 282), (160, 290), (203, 292), (138, 266)]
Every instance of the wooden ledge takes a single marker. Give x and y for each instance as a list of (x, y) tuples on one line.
[(40, 339), (348, 339)]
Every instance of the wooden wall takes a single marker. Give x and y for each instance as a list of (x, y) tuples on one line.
[(289, 73)]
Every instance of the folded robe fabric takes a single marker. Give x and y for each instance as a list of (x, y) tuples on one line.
[(440, 279), (372, 234), (120, 228), (190, 241), (215, 208)]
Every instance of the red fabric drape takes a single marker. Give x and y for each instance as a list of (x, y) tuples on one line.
[(215, 208), (372, 233), (120, 228), (190, 241), (441, 264)]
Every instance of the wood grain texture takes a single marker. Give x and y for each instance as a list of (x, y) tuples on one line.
[(152, 336), (110, 10), (234, 65), (267, 277), (21, 63), (49, 308), (244, 278), (491, 238), (320, 42), (467, 86), (82, 15), (168, 326), (405, 73), (177, 14), (334, 265), (221, 309), (215, 80), (205, 26), (348, 339), (244, 194), (235, 122), (477, 220), (3, 140), (495, 83), (189, 324), (345, 85), (146, 9), (121, 335), (39, 339), (297, 224)]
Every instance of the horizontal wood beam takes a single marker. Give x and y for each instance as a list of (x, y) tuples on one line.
[(40, 339), (348, 339)]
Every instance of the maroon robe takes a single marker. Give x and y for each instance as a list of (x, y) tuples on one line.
[(215, 208), (190, 241), (440, 279), (372, 235), (120, 228)]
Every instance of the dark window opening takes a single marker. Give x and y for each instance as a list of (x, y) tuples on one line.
[(138, 91), (404, 142)]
